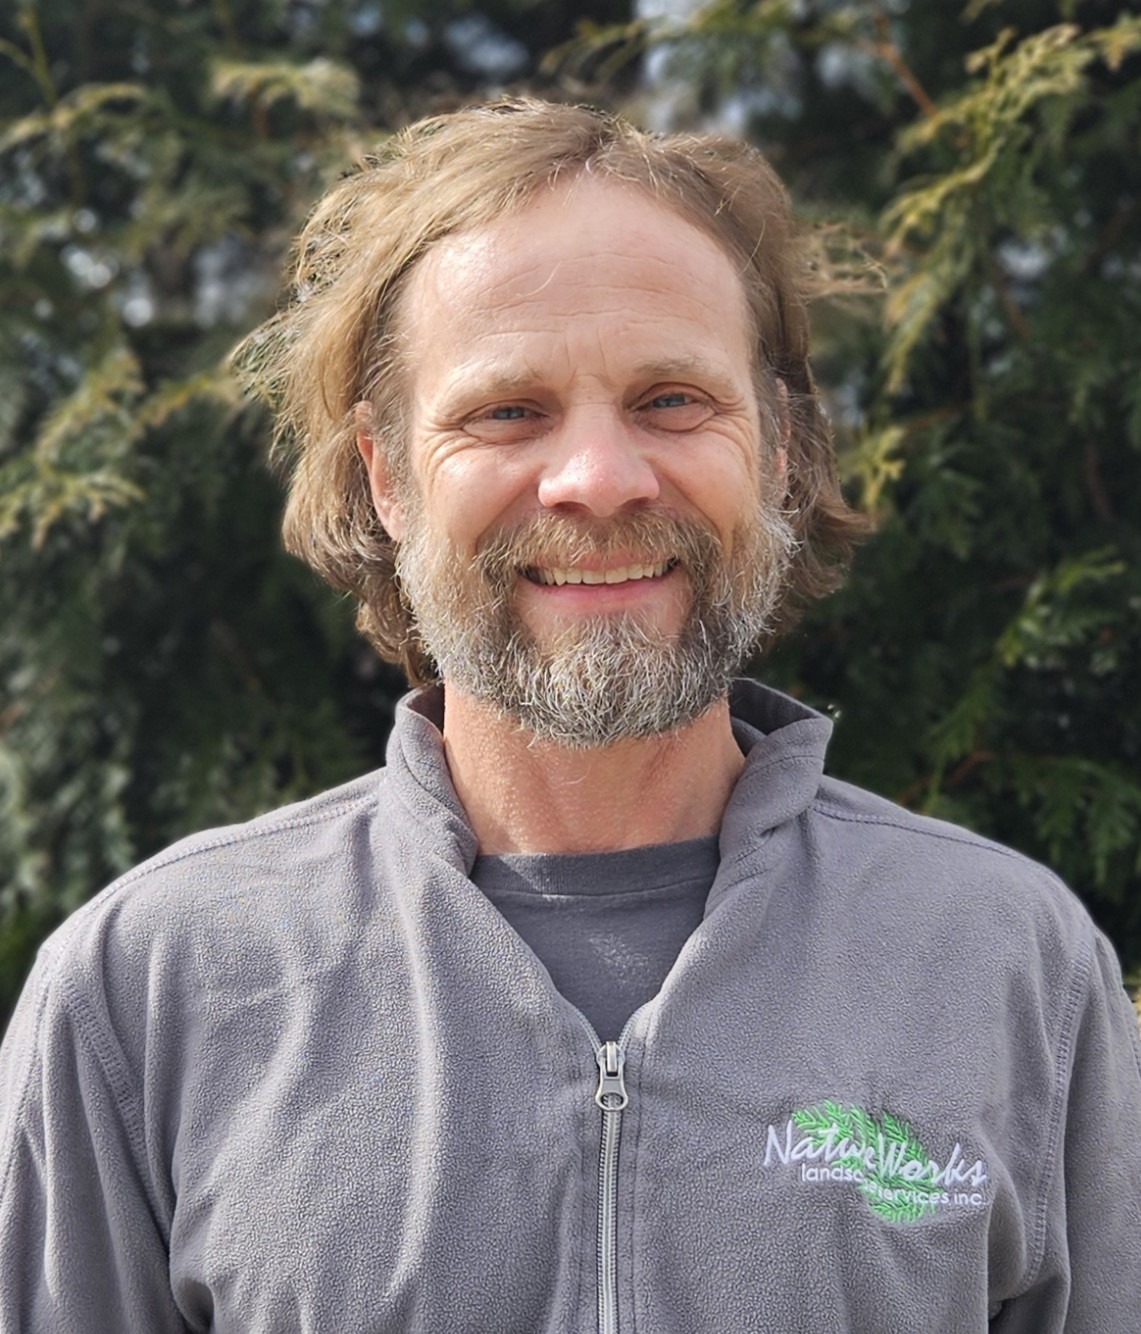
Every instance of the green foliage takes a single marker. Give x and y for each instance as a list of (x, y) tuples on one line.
[(74, 464), (323, 87), (995, 142), (164, 667)]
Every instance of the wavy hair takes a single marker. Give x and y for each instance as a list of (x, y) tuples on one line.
[(335, 342)]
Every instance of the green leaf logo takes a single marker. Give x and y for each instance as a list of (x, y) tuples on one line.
[(879, 1151)]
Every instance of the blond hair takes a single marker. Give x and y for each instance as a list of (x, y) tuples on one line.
[(335, 345)]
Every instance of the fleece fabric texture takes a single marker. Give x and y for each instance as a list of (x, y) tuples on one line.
[(300, 1075)]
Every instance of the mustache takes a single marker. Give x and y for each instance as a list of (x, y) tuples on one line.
[(548, 540)]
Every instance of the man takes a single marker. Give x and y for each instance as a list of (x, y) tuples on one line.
[(598, 1007)]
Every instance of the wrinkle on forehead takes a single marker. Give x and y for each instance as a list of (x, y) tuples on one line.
[(480, 259)]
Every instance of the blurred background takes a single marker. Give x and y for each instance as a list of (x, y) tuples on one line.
[(970, 177)]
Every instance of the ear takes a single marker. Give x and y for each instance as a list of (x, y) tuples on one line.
[(375, 457)]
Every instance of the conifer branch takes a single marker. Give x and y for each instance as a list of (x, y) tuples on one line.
[(40, 65), (888, 50)]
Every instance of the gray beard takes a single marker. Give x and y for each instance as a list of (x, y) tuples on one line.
[(601, 679)]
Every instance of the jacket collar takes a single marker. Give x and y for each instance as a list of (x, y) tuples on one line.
[(784, 743)]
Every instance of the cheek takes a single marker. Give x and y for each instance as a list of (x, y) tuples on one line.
[(722, 483), (474, 493)]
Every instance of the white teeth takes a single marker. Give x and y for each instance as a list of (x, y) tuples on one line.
[(619, 575)]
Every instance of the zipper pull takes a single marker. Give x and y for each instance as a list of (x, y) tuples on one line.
[(611, 1062)]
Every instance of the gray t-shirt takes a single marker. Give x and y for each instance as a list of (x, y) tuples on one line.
[(607, 925)]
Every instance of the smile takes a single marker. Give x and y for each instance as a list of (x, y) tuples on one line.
[(620, 574)]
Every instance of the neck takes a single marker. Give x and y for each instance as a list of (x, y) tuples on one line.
[(526, 795)]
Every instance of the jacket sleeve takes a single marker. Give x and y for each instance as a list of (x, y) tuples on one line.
[(82, 1246), (1091, 1207)]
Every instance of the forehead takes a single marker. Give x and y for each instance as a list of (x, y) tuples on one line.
[(592, 259)]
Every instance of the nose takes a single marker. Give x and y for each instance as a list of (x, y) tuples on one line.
[(596, 464)]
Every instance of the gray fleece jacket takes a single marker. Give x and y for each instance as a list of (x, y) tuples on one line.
[(300, 1075)]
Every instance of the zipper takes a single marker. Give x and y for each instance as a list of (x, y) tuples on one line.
[(612, 1097)]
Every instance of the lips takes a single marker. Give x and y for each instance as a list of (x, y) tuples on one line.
[(618, 574)]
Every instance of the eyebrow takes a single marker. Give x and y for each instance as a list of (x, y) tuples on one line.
[(689, 367), (491, 382)]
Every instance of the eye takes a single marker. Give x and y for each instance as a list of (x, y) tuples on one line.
[(675, 399), (504, 423), (675, 410)]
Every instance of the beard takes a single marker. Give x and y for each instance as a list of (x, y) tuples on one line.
[(609, 677)]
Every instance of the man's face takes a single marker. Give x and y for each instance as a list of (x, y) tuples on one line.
[(588, 539)]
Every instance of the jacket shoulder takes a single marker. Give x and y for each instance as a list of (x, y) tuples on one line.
[(944, 863), (231, 880)]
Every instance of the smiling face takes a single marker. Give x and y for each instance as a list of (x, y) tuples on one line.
[(587, 535)]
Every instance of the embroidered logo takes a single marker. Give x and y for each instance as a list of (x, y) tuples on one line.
[(883, 1159)]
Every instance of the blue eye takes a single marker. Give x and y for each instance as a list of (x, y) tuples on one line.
[(511, 413), (670, 401)]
